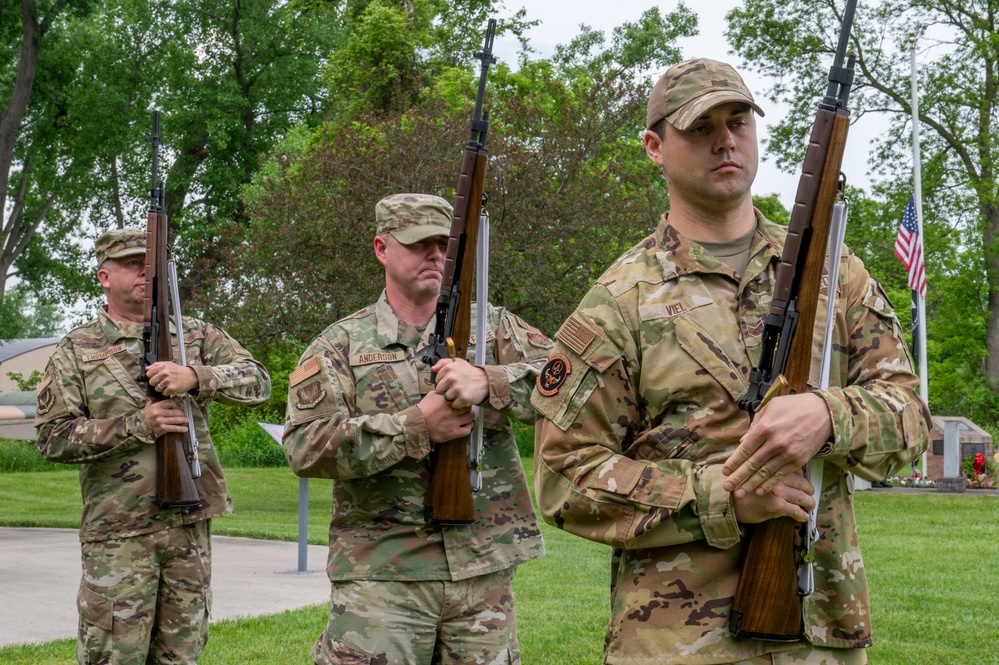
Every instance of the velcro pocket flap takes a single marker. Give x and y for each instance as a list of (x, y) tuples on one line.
[(95, 608)]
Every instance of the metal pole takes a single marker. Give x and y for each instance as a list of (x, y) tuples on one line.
[(917, 193), (303, 525)]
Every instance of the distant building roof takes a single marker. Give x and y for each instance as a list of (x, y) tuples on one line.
[(967, 430), (15, 347)]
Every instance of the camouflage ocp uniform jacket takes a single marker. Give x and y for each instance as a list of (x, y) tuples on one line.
[(90, 413), (353, 417), (640, 404)]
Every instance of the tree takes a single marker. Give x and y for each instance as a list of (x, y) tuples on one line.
[(569, 188), (230, 78), (792, 42), (23, 315), (38, 55)]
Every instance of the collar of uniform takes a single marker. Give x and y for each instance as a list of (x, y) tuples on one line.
[(118, 330), (392, 331), (679, 256)]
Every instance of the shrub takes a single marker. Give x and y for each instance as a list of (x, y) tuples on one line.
[(24, 456), (524, 434), (979, 480), (248, 445), (240, 441)]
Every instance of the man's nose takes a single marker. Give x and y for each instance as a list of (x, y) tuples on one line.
[(437, 250), (725, 139)]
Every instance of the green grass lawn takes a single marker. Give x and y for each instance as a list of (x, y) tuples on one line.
[(931, 560)]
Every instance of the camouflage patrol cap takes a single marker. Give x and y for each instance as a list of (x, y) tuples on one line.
[(692, 88), (411, 218), (117, 243)]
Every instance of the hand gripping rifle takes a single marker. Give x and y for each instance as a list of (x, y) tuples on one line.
[(449, 497), (174, 481), (767, 604)]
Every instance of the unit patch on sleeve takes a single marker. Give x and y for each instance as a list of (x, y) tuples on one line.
[(310, 395), (553, 374), (46, 400)]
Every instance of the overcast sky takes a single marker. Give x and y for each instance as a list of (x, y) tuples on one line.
[(560, 20)]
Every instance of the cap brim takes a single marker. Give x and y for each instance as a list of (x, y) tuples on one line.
[(695, 108), (122, 253), (415, 234)]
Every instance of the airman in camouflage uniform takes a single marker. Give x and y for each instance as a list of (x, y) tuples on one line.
[(643, 446), (145, 595), (363, 411)]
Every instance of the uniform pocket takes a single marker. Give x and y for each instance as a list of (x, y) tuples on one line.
[(95, 642), (329, 651), (95, 609), (380, 391)]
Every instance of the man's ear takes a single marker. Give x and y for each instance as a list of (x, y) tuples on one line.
[(380, 246), (104, 277), (653, 146)]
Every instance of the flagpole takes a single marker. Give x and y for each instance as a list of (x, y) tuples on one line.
[(917, 192)]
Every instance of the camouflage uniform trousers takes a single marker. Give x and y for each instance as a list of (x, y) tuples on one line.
[(146, 599), (811, 656), (450, 623)]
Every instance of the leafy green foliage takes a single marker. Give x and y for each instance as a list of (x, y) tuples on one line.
[(29, 383), (378, 61), (236, 434), (247, 445), (772, 208), (22, 456), (25, 315), (558, 147), (792, 42), (638, 46), (524, 435), (979, 480)]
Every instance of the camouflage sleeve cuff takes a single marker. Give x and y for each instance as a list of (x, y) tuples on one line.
[(714, 507), (842, 423), (138, 427), (415, 432), (499, 386), (205, 392)]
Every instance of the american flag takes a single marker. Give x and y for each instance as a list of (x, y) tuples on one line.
[(909, 249)]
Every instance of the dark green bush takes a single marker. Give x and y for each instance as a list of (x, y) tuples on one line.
[(248, 445), (240, 441), (24, 456), (524, 434)]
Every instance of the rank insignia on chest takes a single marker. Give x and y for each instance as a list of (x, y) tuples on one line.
[(553, 374), (309, 396)]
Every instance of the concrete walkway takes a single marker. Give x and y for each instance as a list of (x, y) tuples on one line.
[(40, 576)]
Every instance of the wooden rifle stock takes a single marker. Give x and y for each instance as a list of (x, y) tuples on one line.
[(174, 482), (450, 492), (449, 496), (767, 603)]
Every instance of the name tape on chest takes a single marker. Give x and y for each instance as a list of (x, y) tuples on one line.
[(377, 357), (103, 353)]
